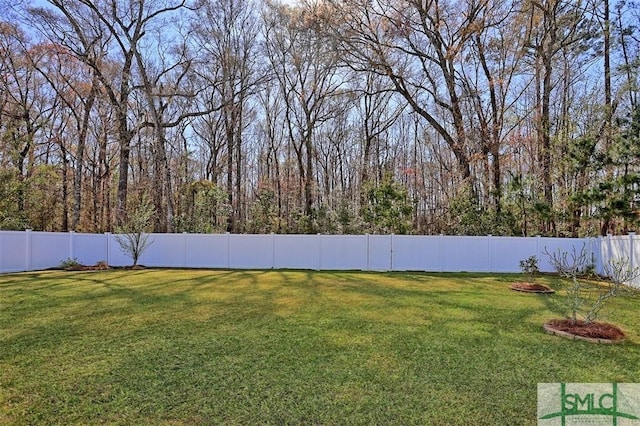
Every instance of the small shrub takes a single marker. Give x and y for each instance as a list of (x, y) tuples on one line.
[(530, 268), (70, 264), (589, 271)]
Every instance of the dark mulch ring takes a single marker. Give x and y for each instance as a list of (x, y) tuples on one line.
[(531, 287), (101, 267), (135, 267), (596, 332), (96, 267)]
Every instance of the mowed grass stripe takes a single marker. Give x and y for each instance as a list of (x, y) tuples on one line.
[(287, 347)]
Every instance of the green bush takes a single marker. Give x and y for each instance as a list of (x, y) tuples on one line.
[(530, 268), (70, 264)]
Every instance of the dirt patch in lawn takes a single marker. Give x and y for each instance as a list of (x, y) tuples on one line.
[(595, 332), (531, 287)]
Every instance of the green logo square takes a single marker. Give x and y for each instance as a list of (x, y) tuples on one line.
[(568, 404)]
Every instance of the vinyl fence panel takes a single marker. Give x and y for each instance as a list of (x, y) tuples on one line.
[(470, 254), (549, 246), (297, 251), (250, 251), (207, 251), (621, 248), (618, 247), (117, 257), (343, 252), (15, 252), (89, 249), (164, 250), (417, 253), (49, 249), (23, 251), (379, 252), (507, 252)]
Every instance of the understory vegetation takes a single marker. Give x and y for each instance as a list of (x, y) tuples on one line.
[(329, 116)]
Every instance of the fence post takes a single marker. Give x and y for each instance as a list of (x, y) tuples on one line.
[(184, 249), (228, 250), (368, 248), (29, 249), (71, 248), (600, 264), (391, 251), (490, 253), (440, 255), (592, 252), (609, 249), (631, 254), (107, 235), (273, 250), (319, 240)]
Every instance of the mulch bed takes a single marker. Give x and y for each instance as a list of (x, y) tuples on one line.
[(99, 267), (595, 332), (531, 287)]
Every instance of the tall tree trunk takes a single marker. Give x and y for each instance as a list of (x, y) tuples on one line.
[(78, 171), (309, 179), (65, 188), (230, 136), (545, 134), (123, 168), (238, 210), (608, 103)]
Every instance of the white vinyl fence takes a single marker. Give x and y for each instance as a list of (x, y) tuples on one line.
[(28, 250)]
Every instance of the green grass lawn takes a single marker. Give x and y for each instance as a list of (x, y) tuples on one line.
[(287, 347)]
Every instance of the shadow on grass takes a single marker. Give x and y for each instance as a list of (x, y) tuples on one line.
[(287, 347)]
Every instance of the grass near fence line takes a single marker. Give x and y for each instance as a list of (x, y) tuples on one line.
[(287, 347)]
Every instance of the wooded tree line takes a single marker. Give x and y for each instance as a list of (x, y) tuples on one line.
[(332, 116)]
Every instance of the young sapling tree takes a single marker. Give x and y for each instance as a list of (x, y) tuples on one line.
[(133, 235), (584, 299)]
